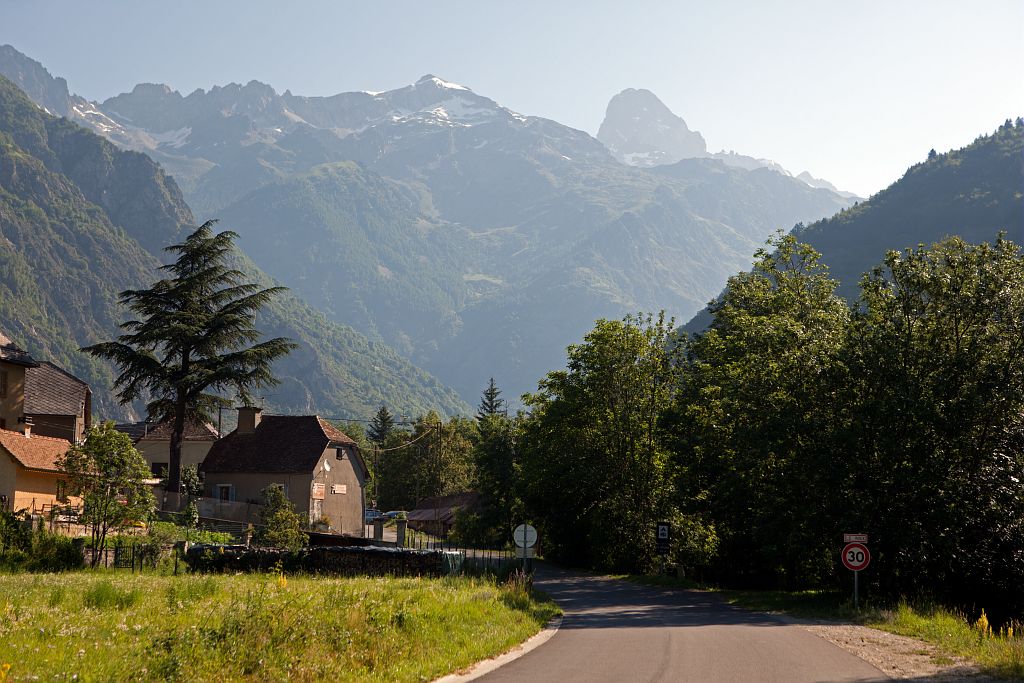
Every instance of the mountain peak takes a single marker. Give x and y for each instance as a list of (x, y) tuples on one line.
[(641, 131), (431, 79)]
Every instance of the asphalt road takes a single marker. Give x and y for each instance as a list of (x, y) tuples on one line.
[(618, 631)]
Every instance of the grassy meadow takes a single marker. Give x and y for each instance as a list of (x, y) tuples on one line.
[(103, 626)]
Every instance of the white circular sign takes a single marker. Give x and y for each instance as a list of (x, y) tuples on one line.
[(856, 556), (525, 536)]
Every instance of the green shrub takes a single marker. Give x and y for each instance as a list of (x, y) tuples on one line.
[(54, 553)]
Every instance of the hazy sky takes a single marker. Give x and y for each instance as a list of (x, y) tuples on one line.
[(851, 91)]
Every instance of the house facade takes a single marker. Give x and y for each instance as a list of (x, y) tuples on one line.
[(13, 364), (319, 467), (154, 443), (30, 391), (29, 477)]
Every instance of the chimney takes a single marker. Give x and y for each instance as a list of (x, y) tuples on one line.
[(28, 427), (248, 419)]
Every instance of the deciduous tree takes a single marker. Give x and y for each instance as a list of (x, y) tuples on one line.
[(109, 475)]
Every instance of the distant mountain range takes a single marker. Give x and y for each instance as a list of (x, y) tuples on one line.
[(641, 131), (81, 221), (475, 240), (974, 193)]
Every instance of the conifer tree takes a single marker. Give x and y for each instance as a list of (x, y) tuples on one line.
[(193, 339), (491, 402), (381, 427)]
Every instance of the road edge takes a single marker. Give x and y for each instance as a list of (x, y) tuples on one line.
[(486, 666)]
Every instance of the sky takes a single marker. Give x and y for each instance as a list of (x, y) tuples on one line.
[(853, 92)]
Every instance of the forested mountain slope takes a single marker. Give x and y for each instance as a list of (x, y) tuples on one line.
[(81, 220), (975, 192)]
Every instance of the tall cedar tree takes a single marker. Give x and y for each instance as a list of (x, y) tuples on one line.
[(381, 427), (491, 402), (193, 338)]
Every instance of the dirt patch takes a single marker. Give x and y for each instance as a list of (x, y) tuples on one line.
[(898, 656)]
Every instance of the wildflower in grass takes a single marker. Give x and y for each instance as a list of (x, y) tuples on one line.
[(982, 625), (282, 581), (4, 669)]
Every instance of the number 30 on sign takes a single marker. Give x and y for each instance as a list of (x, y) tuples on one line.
[(856, 556)]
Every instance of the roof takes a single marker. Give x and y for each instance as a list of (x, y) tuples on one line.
[(443, 508), (194, 431), (35, 452), (49, 390), (281, 443), (11, 353)]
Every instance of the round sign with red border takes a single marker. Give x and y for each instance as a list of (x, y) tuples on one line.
[(856, 556)]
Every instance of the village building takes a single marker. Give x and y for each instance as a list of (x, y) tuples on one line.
[(57, 403), (319, 467), (29, 477), (13, 364), (153, 441)]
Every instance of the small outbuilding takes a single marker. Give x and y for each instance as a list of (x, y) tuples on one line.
[(320, 468)]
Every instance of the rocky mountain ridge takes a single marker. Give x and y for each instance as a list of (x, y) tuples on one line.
[(640, 130), (477, 241)]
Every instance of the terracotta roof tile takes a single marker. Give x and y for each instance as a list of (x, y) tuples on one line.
[(281, 443), (49, 390), (35, 452)]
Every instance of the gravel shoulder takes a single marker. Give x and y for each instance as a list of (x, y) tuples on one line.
[(899, 657)]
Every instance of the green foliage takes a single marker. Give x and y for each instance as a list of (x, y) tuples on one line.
[(936, 397), (497, 468), (38, 550), (282, 525), (595, 465), (434, 460), (755, 413), (194, 339), (800, 418), (245, 627), (109, 475)]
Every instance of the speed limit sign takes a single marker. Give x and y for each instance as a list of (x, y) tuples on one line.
[(856, 556)]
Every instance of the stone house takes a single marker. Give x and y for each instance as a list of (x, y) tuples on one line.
[(319, 467)]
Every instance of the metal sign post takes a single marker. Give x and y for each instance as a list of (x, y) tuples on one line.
[(525, 537), (856, 557)]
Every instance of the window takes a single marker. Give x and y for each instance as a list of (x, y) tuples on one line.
[(62, 491), (224, 493), (3, 384)]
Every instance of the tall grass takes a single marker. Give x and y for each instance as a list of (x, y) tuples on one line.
[(256, 627)]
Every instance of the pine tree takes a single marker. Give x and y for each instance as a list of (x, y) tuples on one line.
[(491, 402), (193, 339), (381, 427)]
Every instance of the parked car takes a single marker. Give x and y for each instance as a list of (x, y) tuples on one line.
[(395, 514), (371, 514)]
